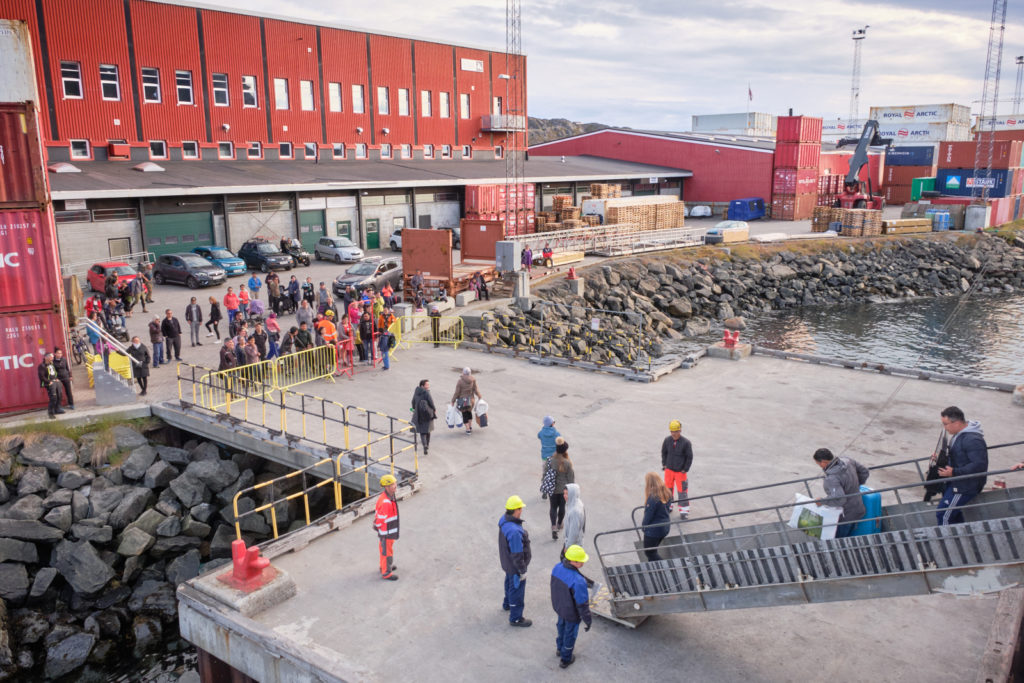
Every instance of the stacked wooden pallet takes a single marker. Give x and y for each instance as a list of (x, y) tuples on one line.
[(569, 213), (592, 220), (670, 215), (561, 201), (572, 223), (904, 226), (647, 213), (821, 218), (605, 190), (872, 222)]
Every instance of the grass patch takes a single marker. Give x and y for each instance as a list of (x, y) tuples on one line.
[(104, 425)]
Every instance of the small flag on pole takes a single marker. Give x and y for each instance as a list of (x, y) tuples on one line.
[(750, 93)]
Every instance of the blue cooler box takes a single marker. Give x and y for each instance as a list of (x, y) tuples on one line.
[(873, 507)]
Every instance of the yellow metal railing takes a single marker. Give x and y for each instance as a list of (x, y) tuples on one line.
[(445, 329), (119, 363), (224, 387)]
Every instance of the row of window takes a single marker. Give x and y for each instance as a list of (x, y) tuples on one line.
[(80, 149), (110, 89)]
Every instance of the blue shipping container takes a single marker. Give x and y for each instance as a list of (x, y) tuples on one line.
[(910, 156), (748, 209), (960, 182)]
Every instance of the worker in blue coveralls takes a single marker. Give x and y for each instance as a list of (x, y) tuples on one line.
[(514, 552), (570, 601)]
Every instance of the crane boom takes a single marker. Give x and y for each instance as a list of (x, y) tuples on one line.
[(853, 196)]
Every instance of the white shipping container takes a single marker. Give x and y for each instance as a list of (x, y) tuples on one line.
[(18, 75), (1007, 122), (923, 113), (908, 133), (754, 123)]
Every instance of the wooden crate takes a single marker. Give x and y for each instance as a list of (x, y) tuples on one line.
[(905, 226), (561, 201)]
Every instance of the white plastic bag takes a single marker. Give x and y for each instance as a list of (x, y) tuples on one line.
[(481, 407), (453, 417), (817, 521)]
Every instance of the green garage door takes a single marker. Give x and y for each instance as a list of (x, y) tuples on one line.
[(311, 228), (167, 233)]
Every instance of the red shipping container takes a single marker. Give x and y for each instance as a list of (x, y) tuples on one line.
[(798, 129), (904, 175), (24, 339), (897, 194), (962, 154), (797, 154), (1001, 210), (795, 181), (949, 201), (22, 180), (29, 271), (788, 207), (1018, 181)]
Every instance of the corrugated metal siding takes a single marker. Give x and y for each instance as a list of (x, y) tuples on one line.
[(25, 10), (24, 340), (391, 62), (92, 37), (85, 241), (291, 54), (434, 73), (166, 37), (28, 275), (232, 43), (344, 56), (21, 170), (477, 86)]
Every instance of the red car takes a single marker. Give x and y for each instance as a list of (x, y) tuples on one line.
[(98, 274)]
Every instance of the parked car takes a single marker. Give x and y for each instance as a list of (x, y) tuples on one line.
[(396, 240), (371, 272), (265, 256), (220, 256), (456, 236), (293, 247), (337, 249), (98, 274), (188, 269)]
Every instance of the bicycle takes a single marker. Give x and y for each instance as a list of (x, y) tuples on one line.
[(79, 347)]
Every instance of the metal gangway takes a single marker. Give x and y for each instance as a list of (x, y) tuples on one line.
[(743, 555), (617, 239)]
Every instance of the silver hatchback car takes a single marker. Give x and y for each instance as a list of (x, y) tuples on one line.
[(337, 249)]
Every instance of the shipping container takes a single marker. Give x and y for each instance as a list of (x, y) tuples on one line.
[(24, 340), (919, 185), (923, 113), (924, 132), (904, 175), (897, 194), (1018, 181), (795, 180), (797, 154), (18, 77), (22, 180), (922, 155), (961, 182), (29, 272), (751, 123), (1009, 122), (1005, 154), (798, 129), (788, 207)]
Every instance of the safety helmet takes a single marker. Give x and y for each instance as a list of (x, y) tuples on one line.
[(387, 480), (514, 503), (329, 314), (575, 553), (675, 426)]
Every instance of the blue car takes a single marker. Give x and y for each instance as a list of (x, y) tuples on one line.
[(231, 264)]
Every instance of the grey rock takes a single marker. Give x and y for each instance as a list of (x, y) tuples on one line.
[(104, 500), (252, 523), (114, 476), (13, 581), (174, 545), (103, 652), (202, 512), (169, 527), (51, 451), (173, 456), (34, 480), (159, 475), (135, 465), (59, 517), (696, 327), (190, 490), (207, 450), (68, 654), (29, 626), (57, 498), (223, 537), (126, 438), (736, 323), (131, 506), (156, 598), (81, 566), (215, 474), (29, 530), (245, 480), (79, 506), (41, 583), (184, 567), (5, 495), (134, 542), (681, 307), (168, 506), (24, 660), (7, 457), (96, 534), (147, 633), (28, 507), (114, 596), (12, 550), (148, 521), (133, 566), (109, 623), (74, 478), (191, 527)]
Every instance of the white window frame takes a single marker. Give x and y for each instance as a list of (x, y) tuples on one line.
[(80, 155), (428, 151), (425, 108), (358, 99), (445, 108), (405, 151), (221, 92), (446, 151), (383, 101), (71, 73), (496, 105), (178, 75), (499, 152), (467, 151), (289, 154), (306, 99), (151, 79), (256, 147), (106, 71), (336, 148), (385, 150), (157, 143), (250, 93), (334, 99), (281, 94), (360, 150), (185, 145), (308, 147), (220, 149), (464, 105), (403, 102)]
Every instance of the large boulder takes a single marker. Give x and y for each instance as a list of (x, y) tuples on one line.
[(134, 542), (28, 508), (681, 307), (138, 461), (147, 634), (58, 498), (207, 450), (12, 550), (81, 566), (44, 577), (173, 456), (131, 506), (169, 527), (29, 530), (13, 581), (79, 506), (74, 478), (156, 598), (174, 545), (202, 512), (148, 521), (92, 530), (104, 499), (215, 474), (127, 439), (184, 567), (159, 474), (190, 490), (192, 527), (59, 517), (34, 480), (696, 327), (68, 653), (51, 451), (5, 495)]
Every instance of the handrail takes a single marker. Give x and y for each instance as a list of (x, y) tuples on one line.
[(105, 336)]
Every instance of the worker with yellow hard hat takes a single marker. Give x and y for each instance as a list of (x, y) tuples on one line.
[(676, 458), (571, 601), (386, 524), (514, 553)]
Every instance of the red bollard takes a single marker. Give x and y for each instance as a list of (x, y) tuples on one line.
[(572, 273), (730, 341), (247, 568)]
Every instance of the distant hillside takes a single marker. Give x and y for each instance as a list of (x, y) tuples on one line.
[(545, 130)]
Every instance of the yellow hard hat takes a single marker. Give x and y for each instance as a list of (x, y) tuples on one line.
[(329, 314), (675, 426), (514, 503), (575, 553), (387, 480)]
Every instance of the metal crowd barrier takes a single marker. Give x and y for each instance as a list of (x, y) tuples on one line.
[(268, 376), (445, 329)]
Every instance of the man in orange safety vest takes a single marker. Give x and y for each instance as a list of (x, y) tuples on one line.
[(386, 524)]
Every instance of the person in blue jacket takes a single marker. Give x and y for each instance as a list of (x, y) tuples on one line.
[(514, 554), (968, 454), (656, 522), (547, 436), (571, 602)]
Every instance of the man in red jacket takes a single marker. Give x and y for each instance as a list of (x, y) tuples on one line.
[(386, 524)]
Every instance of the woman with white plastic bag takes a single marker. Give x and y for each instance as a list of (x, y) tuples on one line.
[(465, 396)]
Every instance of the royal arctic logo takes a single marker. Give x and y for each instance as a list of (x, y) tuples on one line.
[(892, 115), (908, 113), (903, 132)]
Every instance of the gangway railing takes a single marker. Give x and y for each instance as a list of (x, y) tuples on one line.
[(614, 239), (117, 346)]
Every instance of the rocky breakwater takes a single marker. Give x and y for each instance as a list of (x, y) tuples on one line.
[(90, 553), (668, 297)]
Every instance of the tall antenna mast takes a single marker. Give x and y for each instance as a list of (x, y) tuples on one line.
[(1020, 80), (516, 121), (987, 130), (858, 37)]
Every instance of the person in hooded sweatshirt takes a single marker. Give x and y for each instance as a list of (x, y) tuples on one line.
[(968, 454), (843, 477), (423, 413), (575, 517), (547, 436)]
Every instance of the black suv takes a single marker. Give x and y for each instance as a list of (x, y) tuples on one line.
[(188, 269), (265, 256)]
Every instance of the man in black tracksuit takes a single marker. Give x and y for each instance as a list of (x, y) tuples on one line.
[(968, 454), (171, 329)]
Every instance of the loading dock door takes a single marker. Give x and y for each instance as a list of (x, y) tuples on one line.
[(311, 228), (167, 233)]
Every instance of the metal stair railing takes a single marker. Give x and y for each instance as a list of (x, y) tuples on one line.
[(117, 346)]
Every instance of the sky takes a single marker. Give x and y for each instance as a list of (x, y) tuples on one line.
[(654, 64)]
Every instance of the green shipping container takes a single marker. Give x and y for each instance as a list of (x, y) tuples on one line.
[(919, 185)]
